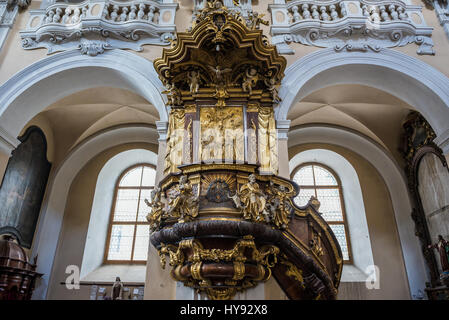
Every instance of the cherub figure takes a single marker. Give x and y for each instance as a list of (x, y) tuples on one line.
[(157, 206), (183, 203), (194, 81), (250, 80), (256, 20), (173, 95), (271, 86)]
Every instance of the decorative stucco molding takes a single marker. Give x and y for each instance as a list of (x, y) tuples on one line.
[(283, 126), (8, 13), (442, 11), (95, 25), (357, 25), (243, 7)]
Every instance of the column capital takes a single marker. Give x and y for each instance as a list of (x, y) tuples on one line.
[(283, 126), (162, 127), (7, 142)]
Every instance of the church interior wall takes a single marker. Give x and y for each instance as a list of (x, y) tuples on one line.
[(385, 240), (433, 186), (386, 247), (14, 58), (76, 221)]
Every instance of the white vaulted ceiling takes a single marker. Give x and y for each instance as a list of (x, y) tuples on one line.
[(80, 115), (369, 111)]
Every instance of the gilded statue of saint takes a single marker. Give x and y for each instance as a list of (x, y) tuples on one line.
[(253, 200), (157, 208), (183, 203), (280, 205)]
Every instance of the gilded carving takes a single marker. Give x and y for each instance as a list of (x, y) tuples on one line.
[(191, 252), (268, 155), (293, 271), (315, 243), (157, 206), (280, 205), (222, 134), (175, 134), (250, 80), (194, 81), (252, 200), (183, 204)]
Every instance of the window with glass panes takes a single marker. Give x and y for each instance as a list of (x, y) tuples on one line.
[(129, 232), (319, 181)]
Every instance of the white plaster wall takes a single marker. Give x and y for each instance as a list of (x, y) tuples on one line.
[(102, 204), (394, 179), (355, 209)]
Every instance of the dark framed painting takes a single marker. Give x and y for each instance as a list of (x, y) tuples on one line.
[(23, 186)]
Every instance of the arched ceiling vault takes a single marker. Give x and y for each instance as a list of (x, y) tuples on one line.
[(372, 112), (82, 114)]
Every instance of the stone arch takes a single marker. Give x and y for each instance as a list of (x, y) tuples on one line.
[(21, 97), (405, 77), (52, 213)]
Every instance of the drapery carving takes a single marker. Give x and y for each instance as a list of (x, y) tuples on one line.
[(268, 154), (175, 137)]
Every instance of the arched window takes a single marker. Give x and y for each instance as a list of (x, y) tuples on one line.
[(129, 234), (320, 181)]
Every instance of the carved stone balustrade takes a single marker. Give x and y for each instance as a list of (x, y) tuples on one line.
[(95, 25), (349, 25)]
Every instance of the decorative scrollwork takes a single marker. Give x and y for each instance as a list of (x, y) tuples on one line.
[(191, 253)]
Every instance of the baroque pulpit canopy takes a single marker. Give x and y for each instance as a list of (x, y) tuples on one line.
[(222, 53)]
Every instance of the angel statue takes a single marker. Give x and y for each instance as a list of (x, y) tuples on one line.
[(219, 73), (250, 80), (194, 81), (253, 201), (157, 208), (173, 95), (271, 86), (255, 21), (183, 204), (280, 205)]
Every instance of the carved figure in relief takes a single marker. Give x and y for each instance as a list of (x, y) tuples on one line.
[(250, 80), (219, 73), (255, 19), (194, 81), (253, 201), (280, 205), (157, 206), (173, 95), (315, 243), (271, 86), (183, 203)]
